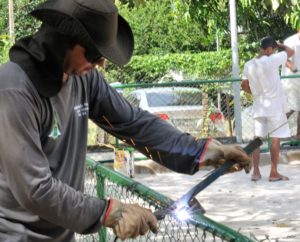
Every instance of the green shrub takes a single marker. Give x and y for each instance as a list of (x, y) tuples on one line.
[(162, 27), (151, 68), (5, 44)]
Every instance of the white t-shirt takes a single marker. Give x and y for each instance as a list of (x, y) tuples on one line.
[(294, 43), (264, 80)]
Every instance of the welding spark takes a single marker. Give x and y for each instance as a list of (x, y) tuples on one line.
[(182, 214), (182, 211)]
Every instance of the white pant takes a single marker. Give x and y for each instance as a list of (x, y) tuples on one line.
[(265, 125)]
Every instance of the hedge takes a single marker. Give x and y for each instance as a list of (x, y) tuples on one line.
[(151, 68)]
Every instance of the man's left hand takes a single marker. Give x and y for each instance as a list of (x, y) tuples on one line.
[(217, 154)]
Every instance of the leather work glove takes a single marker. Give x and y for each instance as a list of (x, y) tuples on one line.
[(217, 154), (129, 220)]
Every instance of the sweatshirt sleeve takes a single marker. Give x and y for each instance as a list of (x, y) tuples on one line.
[(147, 133), (27, 173)]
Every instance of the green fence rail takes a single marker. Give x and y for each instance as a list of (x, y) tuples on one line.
[(104, 182), (206, 109)]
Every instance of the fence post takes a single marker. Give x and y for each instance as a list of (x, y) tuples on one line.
[(101, 195), (11, 20), (235, 72)]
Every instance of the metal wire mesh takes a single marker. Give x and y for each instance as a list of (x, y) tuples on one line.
[(202, 108), (191, 107), (170, 229), (103, 182), (90, 189)]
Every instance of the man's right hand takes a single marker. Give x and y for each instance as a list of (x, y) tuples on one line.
[(217, 154), (129, 220)]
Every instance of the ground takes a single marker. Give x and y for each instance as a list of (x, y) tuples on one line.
[(262, 209)]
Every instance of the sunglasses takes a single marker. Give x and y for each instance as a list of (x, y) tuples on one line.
[(92, 57)]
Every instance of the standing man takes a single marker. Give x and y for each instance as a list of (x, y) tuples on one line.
[(48, 91), (261, 79), (292, 85)]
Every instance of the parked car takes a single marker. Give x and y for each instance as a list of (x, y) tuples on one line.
[(181, 106)]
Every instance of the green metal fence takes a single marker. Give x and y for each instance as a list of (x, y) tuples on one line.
[(202, 108), (104, 182), (207, 107)]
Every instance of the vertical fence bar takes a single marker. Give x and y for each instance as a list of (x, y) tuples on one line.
[(235, 72), (101, 195), (11, 20)]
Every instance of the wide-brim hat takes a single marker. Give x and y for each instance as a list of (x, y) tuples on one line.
[(95, 24)]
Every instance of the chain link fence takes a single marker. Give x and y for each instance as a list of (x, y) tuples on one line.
[(104, 182), (202, 108)]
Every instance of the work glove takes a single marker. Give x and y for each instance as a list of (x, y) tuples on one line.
[(129, 220), (217, 154)]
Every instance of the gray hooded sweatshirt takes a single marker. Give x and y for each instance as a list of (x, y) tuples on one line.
[(44, 125)]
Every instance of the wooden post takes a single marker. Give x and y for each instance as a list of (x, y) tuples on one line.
[(205, 106), (228, 112)]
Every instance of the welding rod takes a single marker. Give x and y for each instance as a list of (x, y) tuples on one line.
[(187, 197)]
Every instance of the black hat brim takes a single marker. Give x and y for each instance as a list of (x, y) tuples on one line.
[(118, 51)]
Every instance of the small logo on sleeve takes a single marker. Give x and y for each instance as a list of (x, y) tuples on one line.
[(82, 109)]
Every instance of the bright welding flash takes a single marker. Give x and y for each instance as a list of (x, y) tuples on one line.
[(182, 214)]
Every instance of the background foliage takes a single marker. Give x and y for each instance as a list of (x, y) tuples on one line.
[(155, 68), (5, 44), (24, 24), (151, 68), (176, 35), (165, 28)]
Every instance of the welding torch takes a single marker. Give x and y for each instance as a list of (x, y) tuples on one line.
[(188, 199)]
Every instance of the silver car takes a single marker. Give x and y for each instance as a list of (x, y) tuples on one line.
[(182, 107)]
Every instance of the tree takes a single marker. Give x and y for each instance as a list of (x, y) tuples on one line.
[(24, 23), (255, 18), (164, 27), (193, 25), (183, 25), (3, 17), (261, 18)]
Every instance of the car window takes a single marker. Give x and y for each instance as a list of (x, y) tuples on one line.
[(134, 99), (179, 98)]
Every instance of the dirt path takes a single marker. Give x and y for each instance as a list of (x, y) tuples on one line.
[(264, 209)]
